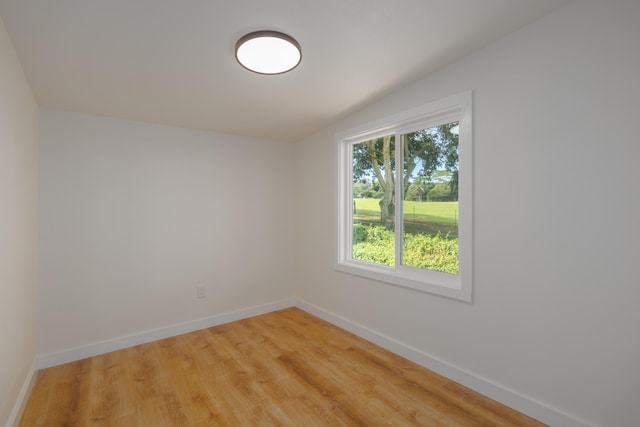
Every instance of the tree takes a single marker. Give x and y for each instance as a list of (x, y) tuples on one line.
[(440, 193), (376, 157), (424, 151), (418, 189)]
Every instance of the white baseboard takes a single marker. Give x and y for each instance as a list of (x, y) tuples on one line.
[(25, 392), (504, 395), (47, 360)]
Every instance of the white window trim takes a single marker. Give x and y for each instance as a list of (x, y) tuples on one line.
[(456, 107)]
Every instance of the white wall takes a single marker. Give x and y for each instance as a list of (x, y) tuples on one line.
[(18, 228), (134, 216), (555, 314)]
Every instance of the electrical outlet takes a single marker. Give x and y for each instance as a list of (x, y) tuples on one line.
[(201, 292)]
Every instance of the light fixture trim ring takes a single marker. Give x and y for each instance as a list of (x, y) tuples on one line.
[(268, 34)]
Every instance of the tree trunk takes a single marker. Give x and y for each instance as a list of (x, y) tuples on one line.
[(385, 177), (387, 206)]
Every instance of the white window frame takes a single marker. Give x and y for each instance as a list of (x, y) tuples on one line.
[(453, 108)]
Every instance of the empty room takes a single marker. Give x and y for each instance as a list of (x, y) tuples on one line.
[(296, 213)]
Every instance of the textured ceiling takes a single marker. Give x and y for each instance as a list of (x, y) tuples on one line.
[(172, 62)]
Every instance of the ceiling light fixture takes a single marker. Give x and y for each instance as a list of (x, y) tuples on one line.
[(268, 52)]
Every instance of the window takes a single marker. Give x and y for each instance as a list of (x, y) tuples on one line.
[(405, 199)]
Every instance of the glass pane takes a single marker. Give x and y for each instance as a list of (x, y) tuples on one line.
[(373, 201), (430, 199)]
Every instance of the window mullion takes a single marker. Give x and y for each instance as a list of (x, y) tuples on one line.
[(398, 197)]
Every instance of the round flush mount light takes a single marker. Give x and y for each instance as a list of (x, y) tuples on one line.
[(268, 52)]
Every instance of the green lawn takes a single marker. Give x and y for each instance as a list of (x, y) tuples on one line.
[(420, 217)]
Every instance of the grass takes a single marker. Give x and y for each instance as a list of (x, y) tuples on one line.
[(420, 217)]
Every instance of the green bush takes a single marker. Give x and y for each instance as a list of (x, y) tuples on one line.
[(359, 233), (375, 244), (437, 252)]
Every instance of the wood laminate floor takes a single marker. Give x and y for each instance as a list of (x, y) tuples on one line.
[(286, 368)]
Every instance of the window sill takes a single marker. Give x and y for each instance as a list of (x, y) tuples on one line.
[(431, 282)]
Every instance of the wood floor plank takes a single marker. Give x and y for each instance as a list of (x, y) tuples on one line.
[(286, 368)]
